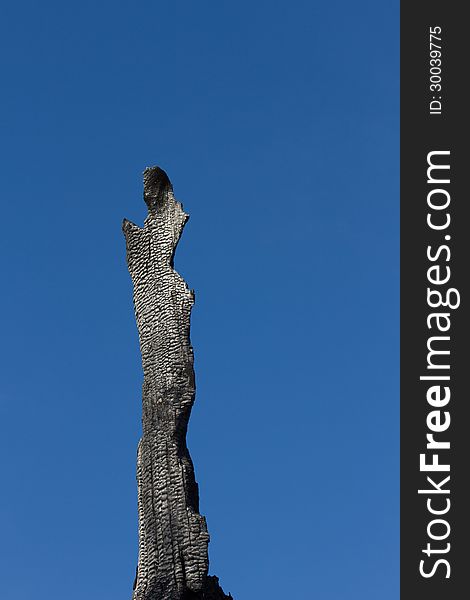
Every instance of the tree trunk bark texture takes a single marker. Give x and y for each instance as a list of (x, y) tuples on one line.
[(173, 537)]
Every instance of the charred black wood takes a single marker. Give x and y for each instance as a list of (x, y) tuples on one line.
[(173, 538)]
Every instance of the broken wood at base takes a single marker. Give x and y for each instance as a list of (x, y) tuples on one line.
[(173, 537)]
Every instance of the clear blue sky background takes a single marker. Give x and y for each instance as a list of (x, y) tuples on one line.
[(277, 122)]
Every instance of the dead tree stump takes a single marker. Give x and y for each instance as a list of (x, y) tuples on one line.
[(173, 537)]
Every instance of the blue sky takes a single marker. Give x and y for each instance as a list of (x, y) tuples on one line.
[(278, 125)]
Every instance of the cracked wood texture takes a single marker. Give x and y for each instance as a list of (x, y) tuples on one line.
[(173, 537)]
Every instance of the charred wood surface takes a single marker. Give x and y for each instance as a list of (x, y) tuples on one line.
[(173, 537)]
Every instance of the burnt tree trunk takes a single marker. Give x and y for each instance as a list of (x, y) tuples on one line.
[(173, 537)]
